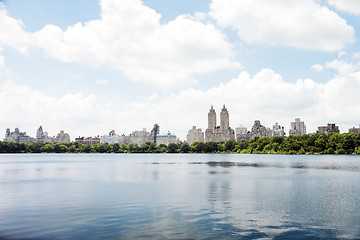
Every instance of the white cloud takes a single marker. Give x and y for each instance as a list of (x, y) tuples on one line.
[(5, 73), (27, 109), (129, 37), (356, 55), (301, 24), (265, 96), (349, 6), (102, 81), (341, 54), (317, 68), (341, 66), (12, 33)]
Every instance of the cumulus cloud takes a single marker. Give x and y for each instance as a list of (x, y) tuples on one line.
[(129, 37), (301, 24), (356, 55), (265, 96), (12, 32), (27, 109), (102, 81), (317, 68), (349, 6)]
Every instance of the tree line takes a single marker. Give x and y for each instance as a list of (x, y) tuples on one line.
[(333, 143)]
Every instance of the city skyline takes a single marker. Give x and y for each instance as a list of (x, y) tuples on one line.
[(242, 133), (126, 65)]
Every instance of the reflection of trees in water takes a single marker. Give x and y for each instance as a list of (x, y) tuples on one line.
[(296, 165)]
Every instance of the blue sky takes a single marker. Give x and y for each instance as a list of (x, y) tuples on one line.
[(92, 66)]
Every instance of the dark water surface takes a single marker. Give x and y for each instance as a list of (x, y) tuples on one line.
[(181, 196)]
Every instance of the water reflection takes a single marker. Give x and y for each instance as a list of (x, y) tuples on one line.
[(178, 197), (297, 165)]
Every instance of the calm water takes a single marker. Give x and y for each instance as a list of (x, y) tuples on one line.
[(219, 196)]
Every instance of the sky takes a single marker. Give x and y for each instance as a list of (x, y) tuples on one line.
[(89, 66)]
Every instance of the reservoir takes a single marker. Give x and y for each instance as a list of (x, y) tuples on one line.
[(179, 196)]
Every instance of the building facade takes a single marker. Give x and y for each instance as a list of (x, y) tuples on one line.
[(111, 138), (354, 130), (166, 139), (194, 135), (89, 140), (278, 131), (17, 136), (220, 133), (331, 127), (297, 128), (258, 130), (42, 136), (62, 137)]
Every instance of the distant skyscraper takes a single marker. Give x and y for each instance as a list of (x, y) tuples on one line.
[(40, 133), (259, 130), (17, 136), (354, 130), (220, 133), (194, 135), (331, 127), (63, 137), (278, 130), (211, 118), (297, 128)]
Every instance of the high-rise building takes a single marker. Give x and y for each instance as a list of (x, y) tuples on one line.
[(331, 127), (278, 130), (40, 133), (354, 130), (297, 128), (220, 133), (211, 118), (166, 139), (17, 136), (154, 132), (259, 130), (89, 140), (242, 134), (111, 138), (63, 137), (194, 135)]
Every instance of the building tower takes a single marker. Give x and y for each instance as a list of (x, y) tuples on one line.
[(224, 118), (154, 132), (212, 118), (40, 133), (297, 128), (7, 134)]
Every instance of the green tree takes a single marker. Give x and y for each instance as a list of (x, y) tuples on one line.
[(185, 148), (172, 148)]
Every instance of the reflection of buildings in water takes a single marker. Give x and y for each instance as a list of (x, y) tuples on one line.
[(155, 175), (219, 196)]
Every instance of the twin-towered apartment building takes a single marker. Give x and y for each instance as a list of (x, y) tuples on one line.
[(213, 133), (224, 132)]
